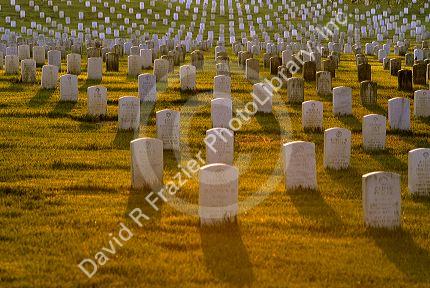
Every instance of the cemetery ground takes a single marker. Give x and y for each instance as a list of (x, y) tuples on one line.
[(65, 185)]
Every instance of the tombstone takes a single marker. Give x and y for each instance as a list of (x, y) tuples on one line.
[(112, 62), (360, 59), (222, 87), (147, 88), (419, 171), (128, 113), (23, 52), (309, 71), (218, 194), (428, 73), (381, 199), (323, 84), (187, 77), (275, 62), (374, 132), (169, 61), (168, 128), (28, 71), (74, 64), (11, 65), (69, 88), (49, 77), (369, 93), (262, 94), (409, 59), (422, 103), (197, 59), (161, 71), (395, 66), (404, 80), (94, 52), (337, 148), (219, 145), (386, 63), (39, 55), (419, 72), (330, 66), (134, 65), (295, 90), (252, 70), (398, 113), (146, 163), (146, 55), (97, 100), (299, 165), (222, 69), (221, 112), (312, 115), (54, 58), (95, 68), (342, 101), (364, 72)]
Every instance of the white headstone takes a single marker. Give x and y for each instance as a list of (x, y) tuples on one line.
[(168, 128), (187, 77), (221, 112), (97, 100), (95, 68), (422, 103), (337, 148), (299, 165), (28, 71), (161, 70), (312, 115), (374, 131), (69, 88), (54, 58), (147, 88), (419, 171), (398, 113), (218, 194), (342, 100), (262, 97), (128, 113), (219, 146), (381, 199), (39, 55), (146, 55), (134, 65), (11, 65), (146, 163), (49, 76), (222, 87), (74, 64)]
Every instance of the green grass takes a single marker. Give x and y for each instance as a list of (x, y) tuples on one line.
[(65, 185)]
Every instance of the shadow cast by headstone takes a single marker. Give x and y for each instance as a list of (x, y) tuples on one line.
[(88, 83), (269, 123), (401, 250), (346, 178), (387, 160), (351, 122), (122, 139), (41, 97), (376, 109), (225, 254), (146, 112), (63, 107), (311, 205)]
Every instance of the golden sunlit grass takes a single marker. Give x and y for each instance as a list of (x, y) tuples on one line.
[(66, 186)]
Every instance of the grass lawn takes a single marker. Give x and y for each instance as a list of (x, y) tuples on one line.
[(65, 190)]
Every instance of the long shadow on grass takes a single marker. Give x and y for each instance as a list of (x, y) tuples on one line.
[(122, 139), (347, 179), (388, 160), (311, 205), (41, 97), (62, 108), (351, 122), (401, 249), (225, 255)]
